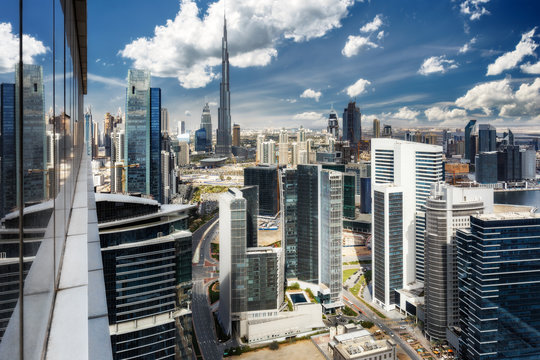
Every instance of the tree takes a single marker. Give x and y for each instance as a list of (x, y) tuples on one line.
[(274, 345)]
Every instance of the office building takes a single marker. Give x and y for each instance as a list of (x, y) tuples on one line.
[(365, 195), (8, 170), (206, 123), (301, 135), (182, 129), (289, 203), (142, 135), (447, 209), (469, 129), (487, 138), (268, 153), (283, 147), (387, 131), (376, 128), (200, 140), (333, 124), (266, 178), (224, 140), (118, 160), (528, 164), (294, 154), (259, 149), (349, 195), (165, 121), (251, 279), (486, 168), (352, 128), (509, 163), (183, 153), (251, 194), (236, 135), (412, 168), (499, 286), (142, 241)]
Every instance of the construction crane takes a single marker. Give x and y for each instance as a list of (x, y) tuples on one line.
[(123, 167)]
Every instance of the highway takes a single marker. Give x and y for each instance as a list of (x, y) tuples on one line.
[(381, 323), (203, 323)]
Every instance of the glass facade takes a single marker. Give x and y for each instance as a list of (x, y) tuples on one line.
[(262, 280), (155, 145), (251, 194), (349, 193), (352, 128), (365, 195), (266, 177), (41, 145), (499, 286), (200, 140), (289, 198), (486, 168)]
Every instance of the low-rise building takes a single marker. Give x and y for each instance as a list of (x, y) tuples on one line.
[(361, 345)]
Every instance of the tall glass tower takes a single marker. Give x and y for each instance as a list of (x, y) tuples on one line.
[(7, 144), (224, 138), (142, 135), (206, 123)]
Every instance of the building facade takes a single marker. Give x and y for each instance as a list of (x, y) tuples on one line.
[(266, 178), (352, 128), (206, 123), (224, 139)]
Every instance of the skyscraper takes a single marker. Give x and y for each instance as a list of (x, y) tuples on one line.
[(487, 138), (486, 168), (236, 135), (447, 209), (468, 131), (266, 178), (200, 140), (206, 123), (499, 286), (352, 128), (412, 167), (8, 171), (376, 128), (142, 135), (333, 124), (268, 154), (223, 145), (289, 231), (283, 147), (164, 120)]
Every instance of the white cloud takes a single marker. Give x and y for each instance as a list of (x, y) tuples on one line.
[(106, 80), (474, 9), (374, 25), (311, 94), (308, 115), (511, 59), (444, 115), (526, 101), (188, 47), (359, 87), (405, 113), (9, 48), (355, 43), (289, 100), (487, 96), (529, 68), (436, 64), (187, 113), (465, 48), (380, 35)]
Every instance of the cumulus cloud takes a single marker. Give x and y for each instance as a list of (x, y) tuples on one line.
[(311, 94), (405, 113), (9, 48), (356, 42), (359, 87), (465, 48), (187, 113), (474, 9), (188, 47), (436, 64), (444, 115), (526, 101), (511, 59), (529, 68), (308, 115), (374, 25)]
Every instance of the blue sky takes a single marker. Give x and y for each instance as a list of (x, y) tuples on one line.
[(408, 63)]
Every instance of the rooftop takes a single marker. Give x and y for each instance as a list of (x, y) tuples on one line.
[(508, 216)]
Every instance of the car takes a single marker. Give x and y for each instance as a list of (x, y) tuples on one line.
[(402, 327)]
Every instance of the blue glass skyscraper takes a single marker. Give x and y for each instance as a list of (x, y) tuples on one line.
[(8, 195), (200, 140), (499, 286), (142, 139), (468, 130)]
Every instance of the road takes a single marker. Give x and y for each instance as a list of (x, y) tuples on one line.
[(203, 322), (382, 324)]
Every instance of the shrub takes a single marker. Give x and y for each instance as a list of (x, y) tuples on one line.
[(274, 345), (348, 311)]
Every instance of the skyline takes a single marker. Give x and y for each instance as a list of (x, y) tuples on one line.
[(405, 64)]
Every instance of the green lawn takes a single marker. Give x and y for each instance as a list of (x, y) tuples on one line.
[(347, 273), (356, 288)]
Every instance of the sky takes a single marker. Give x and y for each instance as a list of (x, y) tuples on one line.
[(408, 63)]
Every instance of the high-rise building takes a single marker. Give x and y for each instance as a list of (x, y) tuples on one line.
[(268, 152), (118, 159), (283, 147), (183, 153), (349, 195), (223, 145), (447, 209), (108, 124), (8, 169), (142, 135), (469, 129), (333, 124), (33, 120), (352, 128), (301, 135), (182, 127), (528, 164), (412, 167), (236, 135), (165, 120), (509, 163), (251, 194), (200, 139), (387, 131), (258, 154), (150, 244), (499, 286), (487, 138), (206, 123), (289, 203), (376, 128), (365, 195), (294, 154), (266, 178), (486, 168)]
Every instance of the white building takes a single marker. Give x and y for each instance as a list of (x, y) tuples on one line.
[(268, 155), (283, 147), (412, 167), (294, 154), (258, 154), (183, 154)]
